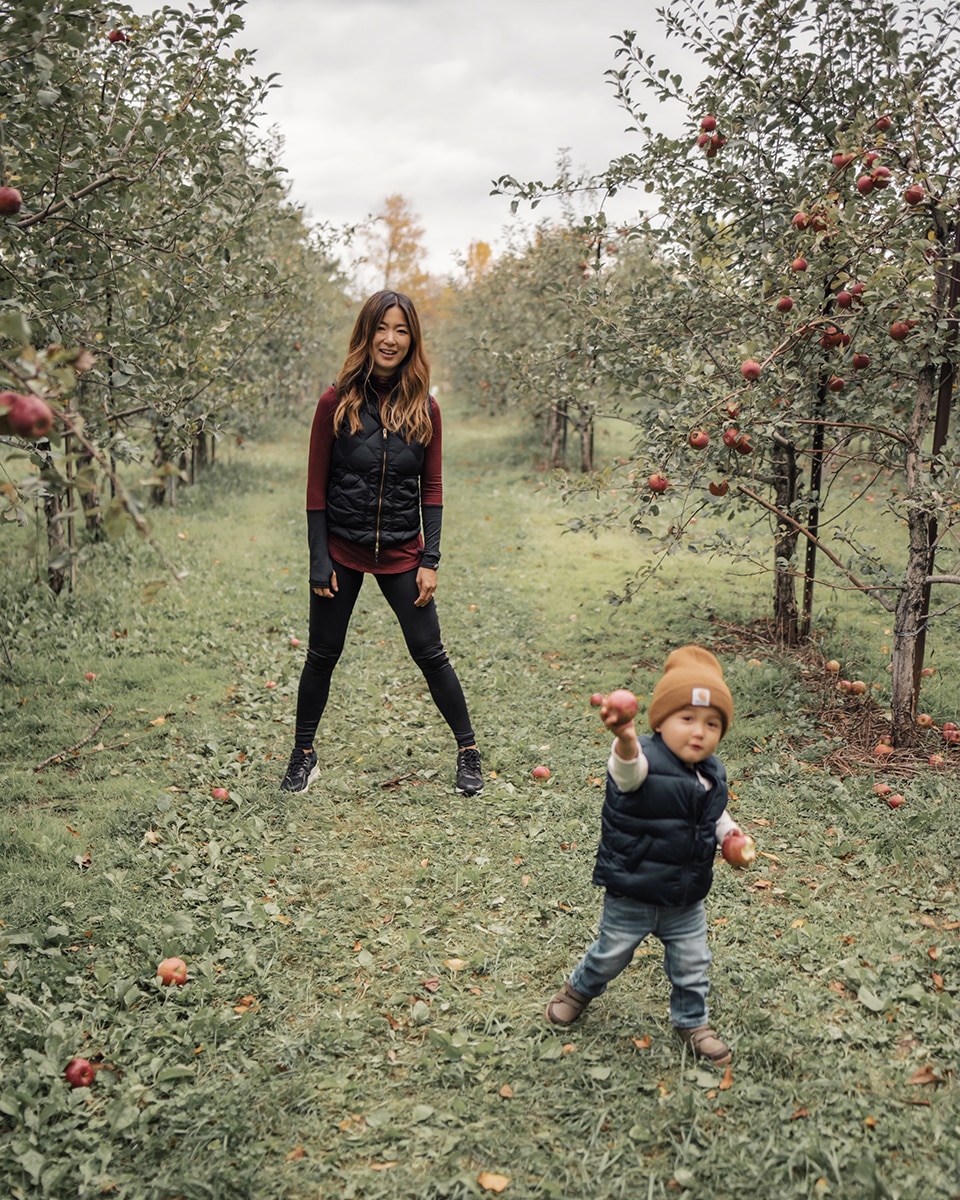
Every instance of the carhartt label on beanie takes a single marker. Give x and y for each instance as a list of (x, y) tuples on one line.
[(691, 676)]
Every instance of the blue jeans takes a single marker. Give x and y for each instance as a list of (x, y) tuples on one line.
[(624, 924)]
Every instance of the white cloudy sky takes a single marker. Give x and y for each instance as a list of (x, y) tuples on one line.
[(435, 98)]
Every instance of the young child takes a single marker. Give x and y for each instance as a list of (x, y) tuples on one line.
[(663, 817)]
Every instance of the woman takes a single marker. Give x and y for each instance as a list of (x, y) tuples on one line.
[(374, 506)]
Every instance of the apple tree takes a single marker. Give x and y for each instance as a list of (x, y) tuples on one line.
[(153, 232), (808, 210)]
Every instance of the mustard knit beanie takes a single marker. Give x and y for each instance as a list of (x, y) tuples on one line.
[(691, 676)]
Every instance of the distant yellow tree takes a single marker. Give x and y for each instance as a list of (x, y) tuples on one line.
[(395, 247), (479, 260)]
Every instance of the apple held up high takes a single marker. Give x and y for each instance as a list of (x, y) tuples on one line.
[(620, 706), (739, 849)]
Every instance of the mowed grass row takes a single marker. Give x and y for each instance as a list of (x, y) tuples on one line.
[(369, 963)]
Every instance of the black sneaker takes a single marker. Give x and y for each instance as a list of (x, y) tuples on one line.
[(469, 775), (301, 771)]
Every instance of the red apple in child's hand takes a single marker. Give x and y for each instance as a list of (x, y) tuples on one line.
[(619, 707), (172, 970), (739, 849), (79, 1072)]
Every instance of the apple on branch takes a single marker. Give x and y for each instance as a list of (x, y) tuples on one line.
[(658, 483), (10, 201)]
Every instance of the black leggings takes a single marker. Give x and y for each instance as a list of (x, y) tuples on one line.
[(329, 618)]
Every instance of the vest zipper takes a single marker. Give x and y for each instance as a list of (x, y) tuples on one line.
[(383, 480)]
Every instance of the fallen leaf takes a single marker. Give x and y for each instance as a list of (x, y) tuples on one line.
[(385, 1166), (798, 1113), (454, 964), (727, 1080), (870, 1122), (490, 1181), (431, 984), (934, 952), (506, 1092), (245, 1004), (642, 1043), (159, 721), (294, 1154), (924, 1075), (83, 860), (151, 837), (937, 981), (569, 1048), (929, 922)]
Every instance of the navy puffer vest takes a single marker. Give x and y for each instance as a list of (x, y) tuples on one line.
[(373, 492), (657, 844)]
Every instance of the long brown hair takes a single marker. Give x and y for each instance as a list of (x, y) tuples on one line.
[(407, 411)]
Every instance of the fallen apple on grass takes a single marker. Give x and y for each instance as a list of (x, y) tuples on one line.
[(596, 699), (541, 772), (895, 800), (172, 970), (882, 789), (950, 732), (220, 793), (79, 1072), (90, 676), (739, 849)]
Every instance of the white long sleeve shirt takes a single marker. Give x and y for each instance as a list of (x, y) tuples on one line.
[(629, 775)]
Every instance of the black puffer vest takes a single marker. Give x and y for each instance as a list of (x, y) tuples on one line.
[(657, 844), (373, 491)]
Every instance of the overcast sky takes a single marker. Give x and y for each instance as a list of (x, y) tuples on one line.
[(435, 98)]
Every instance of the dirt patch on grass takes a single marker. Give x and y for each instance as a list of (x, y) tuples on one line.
[(857, 722)]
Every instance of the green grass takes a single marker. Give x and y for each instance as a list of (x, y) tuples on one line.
[(369, 963)]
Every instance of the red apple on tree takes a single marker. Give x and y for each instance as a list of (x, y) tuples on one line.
[(79, 1072), (861, 362), (658, 483), (10, 201), (836, 383), (729, 437), (719, 489), (709, 123), (172, 970), (800, 221), (117, 35), (865, 185), (699, 439), (881, 177), (738, 848), (842, 160), (913, 195), (899, 330), (883, 123), (750, 370), (844, 299), (27, 416), (743, 445), (784, 304), (800, 263)]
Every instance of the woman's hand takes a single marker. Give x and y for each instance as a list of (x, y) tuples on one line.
[(328, 592), (426, 585)]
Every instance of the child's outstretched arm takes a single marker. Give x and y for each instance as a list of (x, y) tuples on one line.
[(628, 765)]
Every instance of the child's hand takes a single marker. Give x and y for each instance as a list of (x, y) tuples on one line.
[(739, 848), (616, 710)]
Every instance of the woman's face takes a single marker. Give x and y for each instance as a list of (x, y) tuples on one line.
[(391, 342)]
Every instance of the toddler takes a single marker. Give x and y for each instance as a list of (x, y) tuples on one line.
[(663, 817)]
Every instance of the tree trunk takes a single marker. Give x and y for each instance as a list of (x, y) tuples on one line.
[(86, 482), (911, 602), (586, 444), (813, 516), (786, 478), (57, 550)]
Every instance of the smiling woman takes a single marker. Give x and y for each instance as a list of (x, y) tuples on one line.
[(374, 507)]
